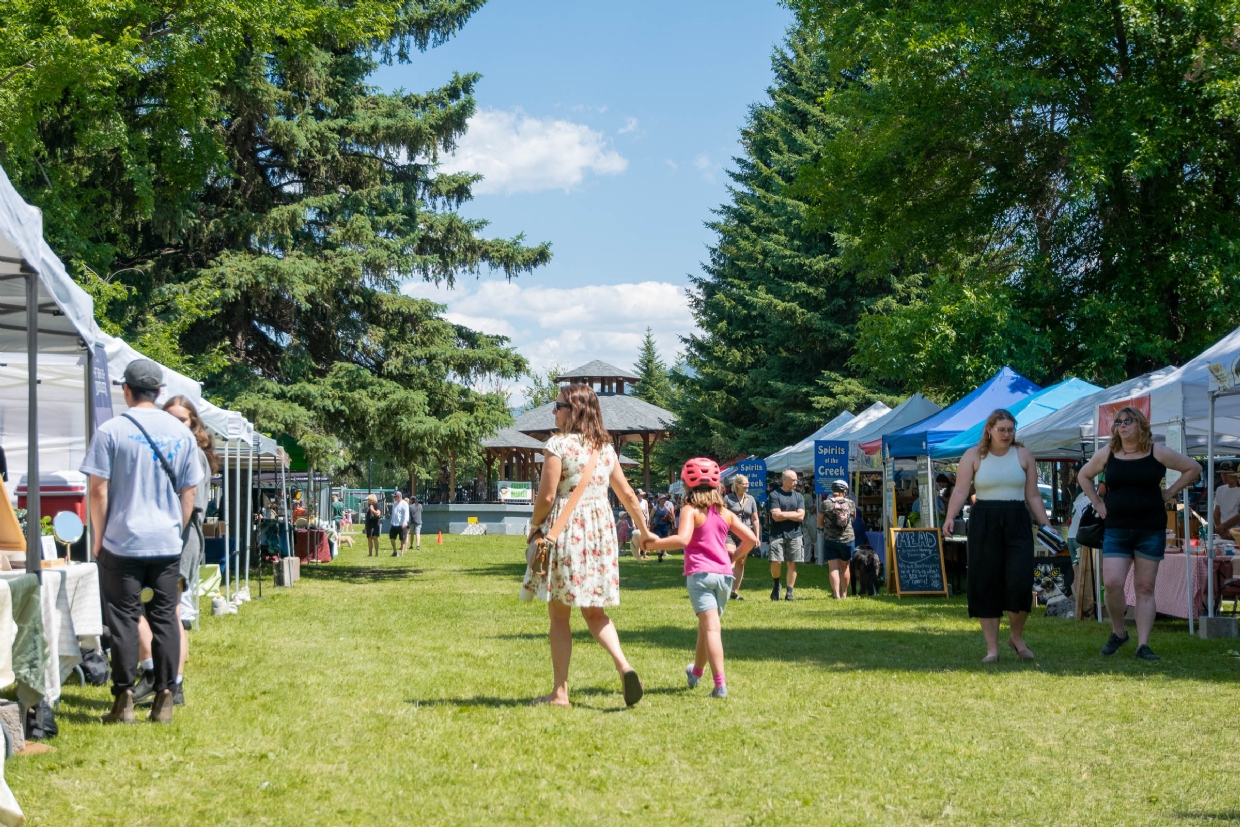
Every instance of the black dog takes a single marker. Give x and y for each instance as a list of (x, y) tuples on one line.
[(865, 570)]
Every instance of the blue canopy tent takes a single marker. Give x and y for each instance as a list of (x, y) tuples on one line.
[(1027, 411), (1004, 389)]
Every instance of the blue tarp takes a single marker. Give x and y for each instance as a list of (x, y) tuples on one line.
[(1004, 389), (1027, 411)]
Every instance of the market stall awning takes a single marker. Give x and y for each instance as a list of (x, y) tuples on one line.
[(1005, 388), (1027, 411), (870, 438), (800, 455)]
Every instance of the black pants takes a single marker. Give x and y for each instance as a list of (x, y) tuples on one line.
[(122, 580), (1000, 558)]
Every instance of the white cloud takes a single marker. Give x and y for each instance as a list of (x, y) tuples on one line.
[(519, 153), (570, 326), (630, 125), (703, 164)]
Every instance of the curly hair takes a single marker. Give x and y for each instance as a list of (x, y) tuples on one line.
[(1145, 437), (585, 417)]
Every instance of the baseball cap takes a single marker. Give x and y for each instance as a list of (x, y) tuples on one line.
[(144, 375)]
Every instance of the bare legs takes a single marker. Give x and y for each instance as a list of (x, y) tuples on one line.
[(709, 642), (791, 580), (1016, 634), (738, 570), (841, 575), (144, 641), (1114, 575), (603, 630)]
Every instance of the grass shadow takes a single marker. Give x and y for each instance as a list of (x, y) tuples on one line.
[(358, 574), (1224, 815)]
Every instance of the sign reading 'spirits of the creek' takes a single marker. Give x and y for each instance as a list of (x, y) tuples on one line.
[(754, 470), (919, 565), (830, 463)]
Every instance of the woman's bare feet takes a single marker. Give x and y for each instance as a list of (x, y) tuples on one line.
[(551, 699)]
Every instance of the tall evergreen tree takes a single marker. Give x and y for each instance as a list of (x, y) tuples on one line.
[(655, 386), (777, 313), (258, 205)]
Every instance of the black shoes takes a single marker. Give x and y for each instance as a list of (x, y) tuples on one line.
[(178, 693), (788, 596), (144, 690), (1144, 652), (737, 596), (1114, 642), (775, 593)]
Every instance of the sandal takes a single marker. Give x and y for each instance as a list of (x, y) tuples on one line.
[(632, 688)]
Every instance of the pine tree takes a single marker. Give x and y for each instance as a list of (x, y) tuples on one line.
[(654, 387), (776, 311), (258, 206)]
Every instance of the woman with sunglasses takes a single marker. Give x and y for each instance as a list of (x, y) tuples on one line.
[(1136, 518), (1000, 544), (584, 568)]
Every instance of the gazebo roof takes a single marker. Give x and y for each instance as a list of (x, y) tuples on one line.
[(598, 370), (622, 415), (512, 438)]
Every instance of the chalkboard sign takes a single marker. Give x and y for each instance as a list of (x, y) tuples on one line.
[(918, 560)]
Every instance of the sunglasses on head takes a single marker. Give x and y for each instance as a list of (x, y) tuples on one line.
[(563, 406), (1128, 420)]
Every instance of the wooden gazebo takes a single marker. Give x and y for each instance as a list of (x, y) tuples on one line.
[(515, 453), (626, 418)]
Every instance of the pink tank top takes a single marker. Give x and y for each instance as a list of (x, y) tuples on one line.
[(706, 551)]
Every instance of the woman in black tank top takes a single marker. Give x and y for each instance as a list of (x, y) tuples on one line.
[(1136, 519)]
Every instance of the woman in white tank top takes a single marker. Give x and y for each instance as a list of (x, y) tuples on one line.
[(1000, 550)]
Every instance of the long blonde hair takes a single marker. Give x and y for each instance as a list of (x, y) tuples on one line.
[(1145, 437), (703, 497), (996, 416)]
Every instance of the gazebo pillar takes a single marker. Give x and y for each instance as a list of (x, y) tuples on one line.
[(646, 461)]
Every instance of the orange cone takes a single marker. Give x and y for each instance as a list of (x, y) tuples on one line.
[(440, 540)]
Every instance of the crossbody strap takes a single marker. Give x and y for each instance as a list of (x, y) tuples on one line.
[(162, 460), (574, 498)]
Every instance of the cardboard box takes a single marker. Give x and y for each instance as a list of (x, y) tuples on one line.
[(215, 530)]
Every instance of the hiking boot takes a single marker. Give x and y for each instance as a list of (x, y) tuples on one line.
[(1144, 652), (1113, 644), (719, 692), (122, 710), (178, 694), (161, 708), (775, 592), (144, 690), (691, 678)]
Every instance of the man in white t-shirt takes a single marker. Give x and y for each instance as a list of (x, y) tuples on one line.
[(1227, 504), (399, 523)]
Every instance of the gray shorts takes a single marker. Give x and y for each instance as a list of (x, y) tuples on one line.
[(708, 590), (788, 549)]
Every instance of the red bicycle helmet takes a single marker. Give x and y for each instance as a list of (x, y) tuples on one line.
[(700, 471)]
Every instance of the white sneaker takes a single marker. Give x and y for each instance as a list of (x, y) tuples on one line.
[(690, 677)]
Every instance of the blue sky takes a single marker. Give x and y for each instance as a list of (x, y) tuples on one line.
[(604, 129)]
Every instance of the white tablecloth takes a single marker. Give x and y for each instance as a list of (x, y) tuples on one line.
[(72, 617)]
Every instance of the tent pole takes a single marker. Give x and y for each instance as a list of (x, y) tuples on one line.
[(237, 526), (90, 433), (34, 530), (229, 516), (930, 489), (1209, 521), (249, 513)]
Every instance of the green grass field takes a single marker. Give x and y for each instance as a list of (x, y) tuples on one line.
[(395, 692)]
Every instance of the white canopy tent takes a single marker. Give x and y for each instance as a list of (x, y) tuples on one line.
[(909, 412), (800, 457)]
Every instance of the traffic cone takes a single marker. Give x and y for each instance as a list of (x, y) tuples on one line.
[(439, 541)]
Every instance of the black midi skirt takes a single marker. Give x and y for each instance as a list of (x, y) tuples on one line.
[(1000, 558)]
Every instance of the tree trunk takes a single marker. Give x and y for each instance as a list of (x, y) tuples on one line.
[(451, 477)]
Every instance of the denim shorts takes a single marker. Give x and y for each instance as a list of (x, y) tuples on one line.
[(837, 550), (708, 590), (1148, 544)]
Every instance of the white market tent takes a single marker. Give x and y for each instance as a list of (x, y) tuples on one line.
[(49, 347), (800, 457), (911, 411)]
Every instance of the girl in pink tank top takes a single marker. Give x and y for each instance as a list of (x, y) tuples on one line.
[(703, 533)]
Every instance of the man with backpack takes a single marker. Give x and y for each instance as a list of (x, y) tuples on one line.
[(835, 521), (143, 470)]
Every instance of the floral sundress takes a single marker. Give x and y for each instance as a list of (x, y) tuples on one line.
[(584, 568)]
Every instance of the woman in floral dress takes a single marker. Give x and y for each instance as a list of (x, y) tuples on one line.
[(584, 568)]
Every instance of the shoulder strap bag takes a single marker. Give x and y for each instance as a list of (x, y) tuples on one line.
[(172, 477), (538, 554)]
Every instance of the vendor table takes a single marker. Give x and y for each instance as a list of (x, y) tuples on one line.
[(1170, 590), (72, 617), (316, 540)]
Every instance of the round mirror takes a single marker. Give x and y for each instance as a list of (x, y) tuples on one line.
[(67, 526)]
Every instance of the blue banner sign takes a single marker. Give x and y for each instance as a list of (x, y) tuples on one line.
[(830, 463), (755, 471), (101, 387)]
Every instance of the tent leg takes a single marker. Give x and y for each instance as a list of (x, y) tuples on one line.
[(89, 366), (249, 514), (229, 516), (34, 531), (1209, 522), (238, 512)]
